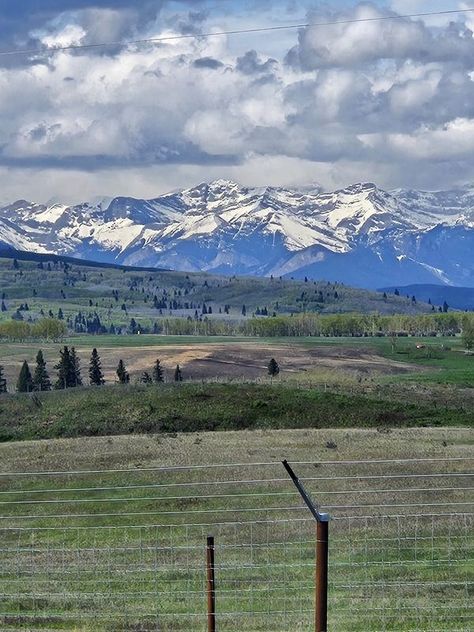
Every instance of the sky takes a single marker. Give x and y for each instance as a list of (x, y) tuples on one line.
[(390, 102)]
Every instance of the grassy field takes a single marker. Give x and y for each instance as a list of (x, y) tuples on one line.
[(108, 550), (341, 382)]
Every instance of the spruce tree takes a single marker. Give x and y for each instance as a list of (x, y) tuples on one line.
[(158, 373), (273, 368), (96, 376), (146, 378), (178, 375), (69, 370), (122, 373), (63, 368), (25, 381), (3, 381), (41, 381), (76, 379)]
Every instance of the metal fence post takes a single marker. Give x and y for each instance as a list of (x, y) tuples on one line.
[(211, 585), (322, 557), (322, 553)]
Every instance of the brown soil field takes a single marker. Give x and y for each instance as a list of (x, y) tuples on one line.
[(244, 361)]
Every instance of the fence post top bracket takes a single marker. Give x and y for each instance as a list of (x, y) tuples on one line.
[(319, 517)]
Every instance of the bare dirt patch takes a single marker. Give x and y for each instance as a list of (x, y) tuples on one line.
[(217, 361), (247, 361)]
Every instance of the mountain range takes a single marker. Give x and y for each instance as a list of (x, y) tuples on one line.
[(360, 235)]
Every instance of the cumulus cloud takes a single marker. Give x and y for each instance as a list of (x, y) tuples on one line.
[(352, 44), (252, 64), (366, 101)]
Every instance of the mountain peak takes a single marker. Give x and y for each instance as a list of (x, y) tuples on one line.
[(361, 234)]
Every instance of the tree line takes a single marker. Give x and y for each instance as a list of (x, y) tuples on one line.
[(309, 324), (333, 325), (69, 373), (43, 329)]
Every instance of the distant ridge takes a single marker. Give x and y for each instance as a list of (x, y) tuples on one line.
[(11, 253), (455, 297)]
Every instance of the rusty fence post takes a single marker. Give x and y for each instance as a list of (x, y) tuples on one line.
[(322, 554), (322, 559), (211, 585)]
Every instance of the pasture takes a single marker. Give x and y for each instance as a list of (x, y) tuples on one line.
[(108, 534)]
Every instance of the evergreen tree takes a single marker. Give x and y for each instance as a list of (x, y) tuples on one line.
[(96, 376), (69, 371), (64, 369), (122, 373), (75, 368), (3, 381), (158, 372), (25, 381), (178, 375), (273, 368), (4, 307), (146, 378), (41, 381)]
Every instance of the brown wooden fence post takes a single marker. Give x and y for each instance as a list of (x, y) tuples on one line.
[(211, 586)]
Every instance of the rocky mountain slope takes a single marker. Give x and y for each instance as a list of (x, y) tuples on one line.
[(360, 235)]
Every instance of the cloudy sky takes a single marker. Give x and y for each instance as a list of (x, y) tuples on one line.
[(390, 101)]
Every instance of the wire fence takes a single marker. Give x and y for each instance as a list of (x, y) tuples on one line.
[(125, 550)]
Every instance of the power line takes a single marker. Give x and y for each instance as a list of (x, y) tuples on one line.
[(263, 29)]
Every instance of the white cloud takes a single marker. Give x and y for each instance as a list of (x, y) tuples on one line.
[(361, 101)]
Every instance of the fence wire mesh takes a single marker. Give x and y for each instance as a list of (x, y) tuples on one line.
[(125, 550)]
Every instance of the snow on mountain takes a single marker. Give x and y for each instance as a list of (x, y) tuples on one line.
[(361, 234)]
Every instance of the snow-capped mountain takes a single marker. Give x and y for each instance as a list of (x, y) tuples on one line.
[(360, 235)]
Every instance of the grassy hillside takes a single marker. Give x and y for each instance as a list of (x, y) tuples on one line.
[(112, 410), (116, 294)]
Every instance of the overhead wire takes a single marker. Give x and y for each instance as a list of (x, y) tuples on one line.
[(244, 31)]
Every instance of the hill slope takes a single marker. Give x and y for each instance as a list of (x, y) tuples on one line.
[(456, 297), (360, 235), (45, 285)]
